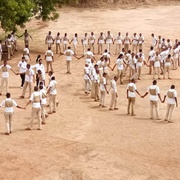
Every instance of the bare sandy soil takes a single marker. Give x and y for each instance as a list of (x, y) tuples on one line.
[(82, 141)]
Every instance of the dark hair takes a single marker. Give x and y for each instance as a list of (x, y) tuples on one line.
[(173, 86), (35, 88), (53, 78), (8, 95), (154, 82)]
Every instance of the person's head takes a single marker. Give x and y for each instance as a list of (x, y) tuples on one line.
[(172, 86), (102, 58), (115, 78), (127, 34), (23, 59), (136, 56), (39, 71), (140, 34), (101, 33), (169, 55), (154, 82), (41, 87), (133, 80), (8, 95), (104, 75), (58, 34), (85, 34), (50, 73), (159, 36), (163, 39), (25, 31), (5, 62), (65, 34), (151, 48), (119, 33), (86, 65), (140, 50), (53, 78), (40, 61), (97, 71), (49, 48), (35, 88), (105, 50), (41, 83), (92, 33), (168, 40), (152, 34), (88, 49), (69, 47), (28, 66), (49, 33), (123, 50), (120, 56), (157, 53), (108, 32), (75, 34), (26, 46), (134, 34), (0, 41), (9, 35), (129, 51), (95, 66), (132, 54)]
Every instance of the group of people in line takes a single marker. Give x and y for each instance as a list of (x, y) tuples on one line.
[(96, 71)]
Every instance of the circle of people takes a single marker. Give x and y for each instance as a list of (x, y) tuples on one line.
[(162, 54)]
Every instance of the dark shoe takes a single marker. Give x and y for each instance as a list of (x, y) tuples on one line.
[(6, 133), (43, 122), (28, 129), (21, 97), (116, 108), (39, 129)]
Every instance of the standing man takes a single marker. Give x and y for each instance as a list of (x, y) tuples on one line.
[(36, 67), (8, 43), (152, 53), (29, 78), (26, 54), (109, 41), (131, 96), (52, 91), (100, 43), (91, 41), (119, 40), (58, 43), (126, 42), (26, 38), (103, 90), (69, 54), (171, 101), (35, 99), (167, 65), (22, 70), (0, 50), (5, 76), (154, 40), (84, 42), (49, 57), (65, 41), (75, 42), (87, 79), (140, 41), (135, 43), (49, 39), (114, 95), (156, 70), (9, 105), (154, 97)]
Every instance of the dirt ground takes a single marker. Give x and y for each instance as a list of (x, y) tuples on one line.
[(82, 141)]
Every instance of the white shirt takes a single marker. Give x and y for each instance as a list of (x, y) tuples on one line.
[(86, 73), (154, 97), (141, 39), (109, 38), (100, 65), (49, 58), (29, 77), (36, 104), (84, 39), (131, 94), (157, 61), (135, 40), (22, 66), (113, 86), (119, 39), (154, 39), (102, 83), (69, 53), (151, 55), (5, 74), (88, 55), (171, 100), (75, 40), (39, 67), (119, 63), (92, 39), (53, 90), (126, 40), (8, 109), (132, 62), (0, 48), (43, 100)]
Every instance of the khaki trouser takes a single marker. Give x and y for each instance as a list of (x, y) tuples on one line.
[(140, 46), (0, 56), (52, 102), (26, 43), (166, 70), (131, 103), (154, 104), (6, 81), (84, 48), (131, 72), (68, 66), (139, 68), (100, 48), (156, 71), (58, 48), (43, 112), (118, 48), (175, 63), (91, 46), (101, 73), (9, 52), (96, 93), (169, 111), (109, 47), (75, 48), (162, 67), (49, 63), (113, 100), (87, 85), (126, 48), (49, 44), (35, 112), (151, 66), (64, 47), (134, 48), (8, 120), (102, 98), (120, 75), (26, 84), (93, 90)]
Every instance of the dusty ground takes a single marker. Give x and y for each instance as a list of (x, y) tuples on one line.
[(82, 141)]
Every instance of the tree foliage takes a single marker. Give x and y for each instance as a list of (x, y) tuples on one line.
[(15, 13)]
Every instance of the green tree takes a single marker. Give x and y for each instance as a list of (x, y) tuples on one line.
[(15, 13)]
